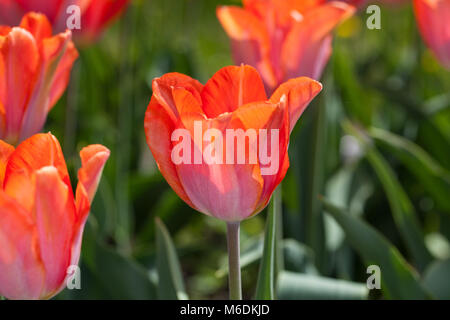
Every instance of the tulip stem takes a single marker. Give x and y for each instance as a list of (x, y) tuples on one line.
[(234, 267)]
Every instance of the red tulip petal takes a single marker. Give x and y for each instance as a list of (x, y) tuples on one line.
[(230, 88), (163, 91), (93, 159), (5, 152), (158, 130), (21, 270), (97, 14), (433, 18), (299, 92), (62, 74), (39, 151), (51, 8), (269, 116), (4, 30), (10, 12), (307, 46), (285, 10), (38, 25), (21, 60), (226, 191), (55, 219), (249, 40), (58, 55)]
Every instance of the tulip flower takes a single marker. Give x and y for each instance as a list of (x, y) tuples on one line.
[(95, 14), (222, 146), (433, 19), (34, 72), (41, 221), (234, 98), (283, 39)]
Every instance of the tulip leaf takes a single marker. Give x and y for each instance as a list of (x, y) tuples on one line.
[(402, 209), (398, 279), (265, 283), (121, 277), (170, 278), (436, 279), (298, 257), (430, 173), (297, 286)]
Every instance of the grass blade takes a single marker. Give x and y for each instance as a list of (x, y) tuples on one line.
[(265, 284), (170, 278), (429, 172), (399, 280), (402, 209)]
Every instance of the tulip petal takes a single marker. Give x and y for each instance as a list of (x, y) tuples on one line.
[(39, 151), (5, 152), (299, 92), (97, 14), (21, 270), (4, 30), (58, 55), (226, 191), (62, 74), (93, 159), (38, 25), (249, 40), (55, 219), (433, 18), (10, 13), (307, 47), (50, 8), (163, 91), (230, 88), (21, 59), (268, 116), (158, 127)]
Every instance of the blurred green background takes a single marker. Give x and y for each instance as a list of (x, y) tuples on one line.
[(374, 144)]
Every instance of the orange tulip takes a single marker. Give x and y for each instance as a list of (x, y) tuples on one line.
[(41, 222), (233, 101), (34, 72), (283, 39), (95, 14), (433, 18)]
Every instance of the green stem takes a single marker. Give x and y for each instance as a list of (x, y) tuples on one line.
[(234, 267)]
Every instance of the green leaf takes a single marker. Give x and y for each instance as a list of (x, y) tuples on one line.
[(436, 279), (429, 172), (298, 257), (399, 280), (402, 209), (315, 237), (265, 283), (297, 286), (121, 277), (170, 278)]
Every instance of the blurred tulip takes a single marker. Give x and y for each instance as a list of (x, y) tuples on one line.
[(283, 39), (234, 100), (34, 72), (41, 222), (95, 14), (433, 19)]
